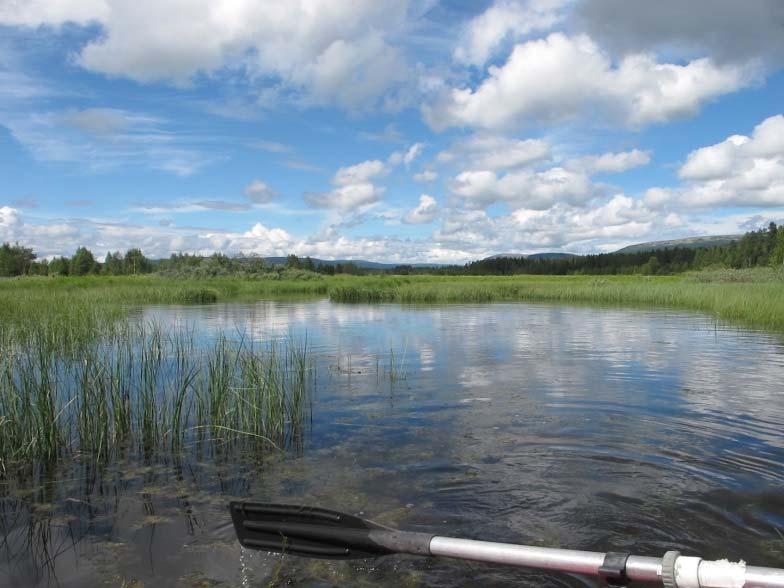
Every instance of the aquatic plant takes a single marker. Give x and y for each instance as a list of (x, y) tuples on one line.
[(140, 388)]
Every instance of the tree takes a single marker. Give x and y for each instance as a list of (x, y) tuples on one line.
[(113, 264), (777, 255), (82, 263), (15, 260), (652, 266), (59, 266), (135, 262), (292, 262)]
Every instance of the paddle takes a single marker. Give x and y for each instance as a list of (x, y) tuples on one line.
[(317, 532)]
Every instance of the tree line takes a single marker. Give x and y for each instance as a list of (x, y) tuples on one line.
[(756, 248), (18, 260)]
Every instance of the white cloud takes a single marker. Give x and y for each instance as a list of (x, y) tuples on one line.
[(426, 175), (562, 226), (354, 189), (739, 171), (336, 51), (522, 189), (425, 212), (259, 192), (9, 223), (413, 152), (33, 13), (359, 173), (581, 80), (486, 33), (347, 198), (272, 236), (102, 139), (493, 152), (105, 121), (611, 163)]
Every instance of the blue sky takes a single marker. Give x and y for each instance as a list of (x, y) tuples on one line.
[(387, 130)]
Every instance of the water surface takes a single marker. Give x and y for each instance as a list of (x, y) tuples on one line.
[(578, 427)]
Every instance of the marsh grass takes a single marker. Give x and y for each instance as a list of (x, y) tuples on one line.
[(754, 299), (66, 312), (142, 389)]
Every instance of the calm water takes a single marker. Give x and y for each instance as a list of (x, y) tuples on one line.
[(586, 428)]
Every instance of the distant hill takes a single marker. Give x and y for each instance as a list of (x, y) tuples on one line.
[(546, 255), (688, 243), (363, 263)]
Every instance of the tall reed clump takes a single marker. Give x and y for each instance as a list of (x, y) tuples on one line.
[(142, 389)]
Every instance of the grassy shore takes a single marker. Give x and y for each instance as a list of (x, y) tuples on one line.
[(750, 298), (71, 308), (67, 311)]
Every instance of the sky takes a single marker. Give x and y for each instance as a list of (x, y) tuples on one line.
[(387, 130)]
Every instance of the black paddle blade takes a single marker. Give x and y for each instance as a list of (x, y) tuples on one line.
[(306, 531)]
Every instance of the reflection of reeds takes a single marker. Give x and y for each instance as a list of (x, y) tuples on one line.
[(142, 388)]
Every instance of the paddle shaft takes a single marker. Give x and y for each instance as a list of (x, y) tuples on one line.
[(638, 568)]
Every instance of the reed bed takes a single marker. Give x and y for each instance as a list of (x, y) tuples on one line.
[(755, 300), (66, 312), (141, 389)]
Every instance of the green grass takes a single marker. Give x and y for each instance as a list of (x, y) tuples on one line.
[(142, 389), (64, 312), (753, 298)]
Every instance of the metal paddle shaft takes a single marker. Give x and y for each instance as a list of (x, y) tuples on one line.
[(321, 533)]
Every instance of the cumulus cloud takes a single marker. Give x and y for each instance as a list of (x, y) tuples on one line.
[(425, 212), (581, 80), (611, 163), (346, 198), (9, 219), (354, 189), (740, 171), (359, 173), (163, 239), (333, 51), (561, 226), (505, 20), (259, 192), (492, 152), (536, 190)]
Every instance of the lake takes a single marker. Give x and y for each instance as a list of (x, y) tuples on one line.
[(565, 426)]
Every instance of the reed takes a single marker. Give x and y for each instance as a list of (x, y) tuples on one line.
[(143, 389), (753, 299)]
